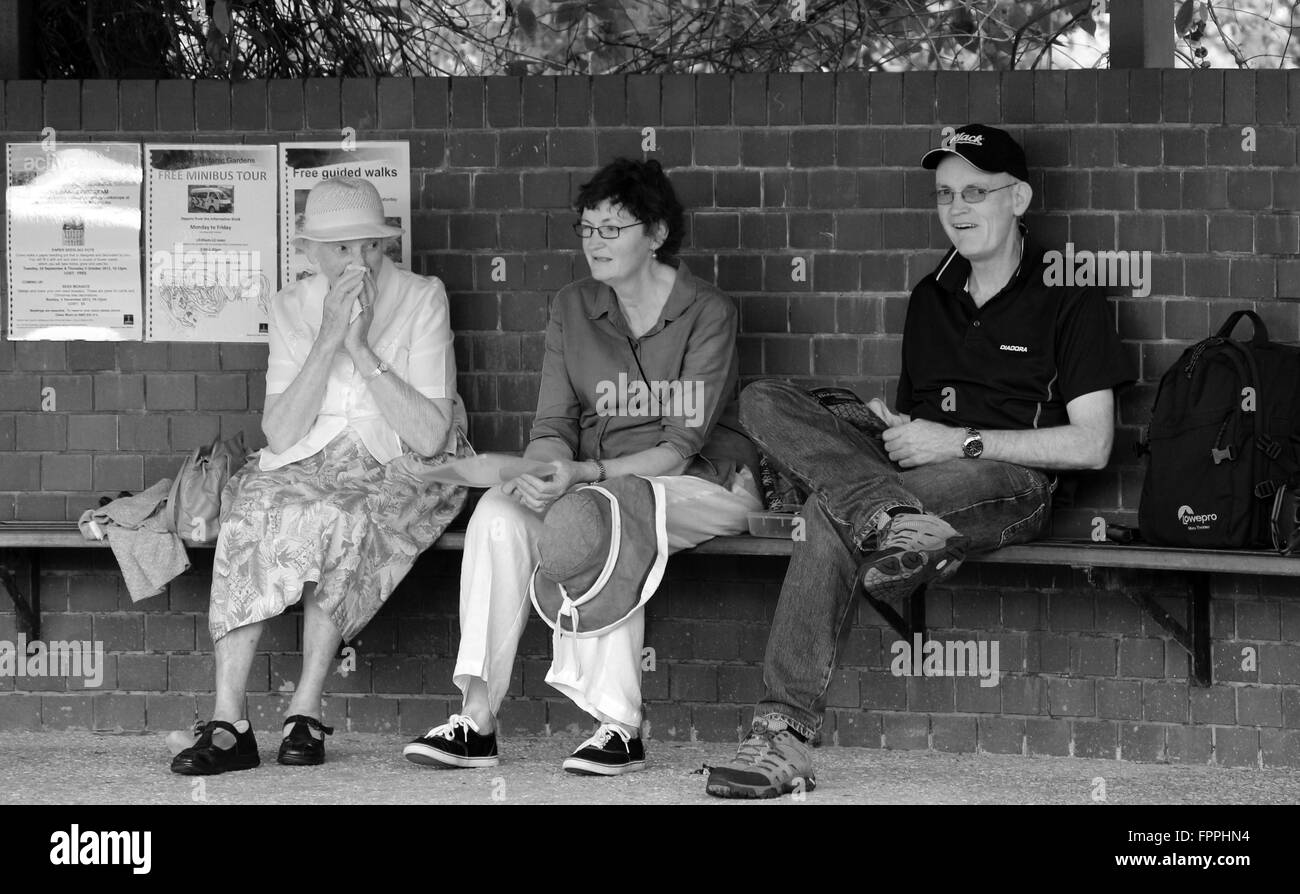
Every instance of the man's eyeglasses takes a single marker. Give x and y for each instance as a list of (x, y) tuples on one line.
[(609, 231), (971, 195)]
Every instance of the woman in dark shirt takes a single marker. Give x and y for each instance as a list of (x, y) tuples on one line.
[(641, 317)]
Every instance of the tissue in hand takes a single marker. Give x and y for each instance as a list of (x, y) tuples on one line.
[(357, 306)]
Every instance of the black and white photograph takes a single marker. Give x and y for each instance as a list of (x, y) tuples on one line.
[(884, 405)]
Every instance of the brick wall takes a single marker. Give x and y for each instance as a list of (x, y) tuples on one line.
[(1197, 167)]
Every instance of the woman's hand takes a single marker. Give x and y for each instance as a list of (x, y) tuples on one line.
[(355, 341), (336, 317), (538, 493)]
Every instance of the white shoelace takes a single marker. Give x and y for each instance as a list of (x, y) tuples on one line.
[(602, 737), (448, 729)]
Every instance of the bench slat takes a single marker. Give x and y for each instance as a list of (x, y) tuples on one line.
[(18, 538), (1043, 552), (1149, 558)]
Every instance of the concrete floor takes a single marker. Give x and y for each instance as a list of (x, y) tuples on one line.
[(95, 768)]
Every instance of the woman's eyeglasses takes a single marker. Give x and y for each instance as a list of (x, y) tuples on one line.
[(971, 195), (609, 231)]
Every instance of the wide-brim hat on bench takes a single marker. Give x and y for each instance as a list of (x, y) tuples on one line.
[(602, 555), (344, 208)]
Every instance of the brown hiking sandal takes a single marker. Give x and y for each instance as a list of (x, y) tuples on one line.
[(771, 762), (915, 548)]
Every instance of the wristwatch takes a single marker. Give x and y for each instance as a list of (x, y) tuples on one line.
[(973, 446), (378, 371)]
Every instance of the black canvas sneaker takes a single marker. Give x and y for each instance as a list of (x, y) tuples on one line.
[(611, 752), (456, 743)]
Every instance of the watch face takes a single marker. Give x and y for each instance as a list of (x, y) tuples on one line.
[(973, 446)]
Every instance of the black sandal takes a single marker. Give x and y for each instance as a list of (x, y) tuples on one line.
[(300, 748), (204, 758)]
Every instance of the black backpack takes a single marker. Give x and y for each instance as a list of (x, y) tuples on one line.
[(1222, 441)]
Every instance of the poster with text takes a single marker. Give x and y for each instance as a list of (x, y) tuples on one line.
[(385, 164), (210, 241), (72, 220)]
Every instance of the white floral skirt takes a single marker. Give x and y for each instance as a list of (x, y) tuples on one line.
[(340, 518)]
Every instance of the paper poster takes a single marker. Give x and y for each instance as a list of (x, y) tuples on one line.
[(210, 241), (72, 216), (302, 165)]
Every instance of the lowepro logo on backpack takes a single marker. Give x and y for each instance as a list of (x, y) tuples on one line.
[(1194, 522)]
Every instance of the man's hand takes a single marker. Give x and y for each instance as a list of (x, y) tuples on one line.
[(881, 409), (921, 442)]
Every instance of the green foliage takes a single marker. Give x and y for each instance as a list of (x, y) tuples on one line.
[(371, 38)]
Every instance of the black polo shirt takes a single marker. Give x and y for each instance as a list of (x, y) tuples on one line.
[(1013, 363)]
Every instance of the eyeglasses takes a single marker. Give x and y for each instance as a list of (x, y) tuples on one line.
[(971, 195), (609, 231)]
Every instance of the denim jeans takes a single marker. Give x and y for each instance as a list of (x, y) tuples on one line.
[(852, 485)]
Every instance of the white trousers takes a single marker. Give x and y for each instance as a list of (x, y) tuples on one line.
[(500, 554)]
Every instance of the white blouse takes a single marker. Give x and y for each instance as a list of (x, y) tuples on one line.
[(411, 332)]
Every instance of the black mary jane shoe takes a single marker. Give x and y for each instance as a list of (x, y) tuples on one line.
[(204, 758), (300, 748)]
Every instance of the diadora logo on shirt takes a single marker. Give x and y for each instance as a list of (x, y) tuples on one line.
[(1015, 349), (1194, 522)]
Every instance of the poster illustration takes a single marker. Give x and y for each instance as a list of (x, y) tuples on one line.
[(385, 164), (210, 239), (72, 219)]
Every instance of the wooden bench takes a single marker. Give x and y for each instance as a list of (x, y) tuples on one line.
[(21, 543)]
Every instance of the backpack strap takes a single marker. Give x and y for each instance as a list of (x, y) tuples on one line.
[(1260, 336)]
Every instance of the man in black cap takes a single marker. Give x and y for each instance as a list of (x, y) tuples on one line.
[(1004, 380)]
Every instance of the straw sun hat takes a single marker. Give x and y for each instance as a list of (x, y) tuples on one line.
[(343, 208)]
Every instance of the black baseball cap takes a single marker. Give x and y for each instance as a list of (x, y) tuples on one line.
[(991, 150)]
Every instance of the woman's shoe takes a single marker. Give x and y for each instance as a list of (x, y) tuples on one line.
[(300, 748), (611, 752), (205, 758), (456, 743)]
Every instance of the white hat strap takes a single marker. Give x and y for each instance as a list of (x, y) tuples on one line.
[(569, 605)]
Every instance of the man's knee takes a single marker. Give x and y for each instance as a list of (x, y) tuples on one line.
[(765, 400)]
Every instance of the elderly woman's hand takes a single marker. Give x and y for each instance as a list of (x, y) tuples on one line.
[(539, 493), (356, 338), (336, 317)]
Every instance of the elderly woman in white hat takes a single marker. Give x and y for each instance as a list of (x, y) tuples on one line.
[(361, 406)]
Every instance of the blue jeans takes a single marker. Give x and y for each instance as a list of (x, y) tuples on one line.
[(852, 483)]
